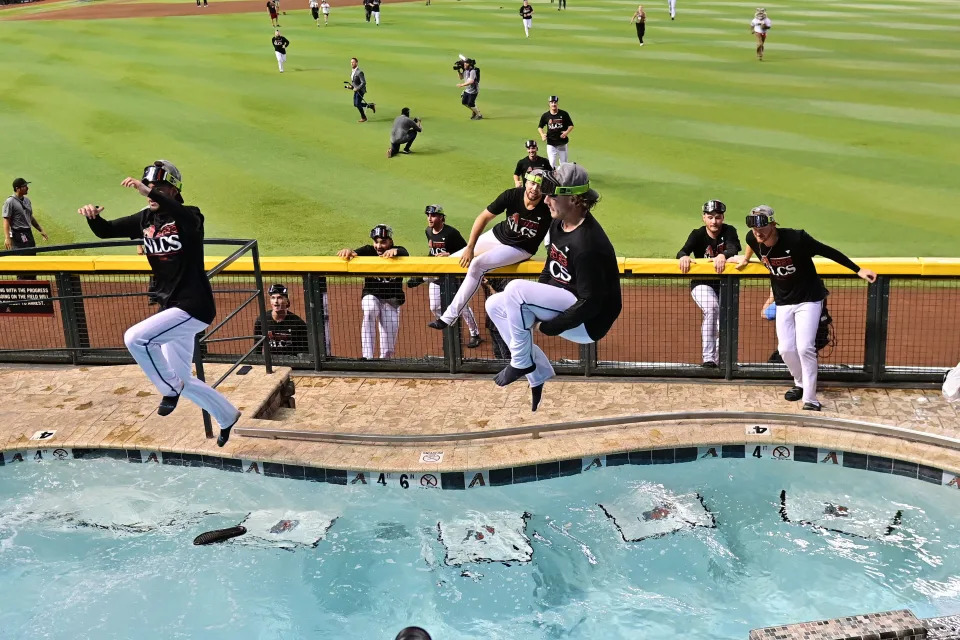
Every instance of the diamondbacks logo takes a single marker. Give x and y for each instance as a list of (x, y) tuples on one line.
[(523, 227), (712, 252), (162, 242), (779, 267), (557, 264)]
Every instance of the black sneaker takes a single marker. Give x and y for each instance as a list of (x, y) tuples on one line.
[(474, 342), (438, 324), (709, 364), (167, 405), (793, 394), (775, 358), (225, 433), (811, 406), (373, 107)]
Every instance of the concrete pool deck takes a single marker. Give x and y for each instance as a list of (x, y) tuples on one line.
[(115, 408)]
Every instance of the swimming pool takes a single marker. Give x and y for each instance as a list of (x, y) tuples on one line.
[(104, 549)]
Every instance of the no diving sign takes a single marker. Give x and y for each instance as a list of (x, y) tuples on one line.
[(44, 435)]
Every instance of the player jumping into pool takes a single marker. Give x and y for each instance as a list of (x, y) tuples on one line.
[(162, 345)]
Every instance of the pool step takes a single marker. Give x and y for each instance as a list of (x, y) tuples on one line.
[(283, 414)]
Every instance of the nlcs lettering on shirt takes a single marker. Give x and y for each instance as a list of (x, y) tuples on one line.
[(166, 241), (780, 267), (523, 227)]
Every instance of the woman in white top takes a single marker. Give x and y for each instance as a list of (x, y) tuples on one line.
[(759, 26), (325, 7)]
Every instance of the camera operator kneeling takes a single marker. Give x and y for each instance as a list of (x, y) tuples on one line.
[(404, 130)]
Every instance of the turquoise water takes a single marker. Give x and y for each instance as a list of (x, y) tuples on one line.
[(103, 549)]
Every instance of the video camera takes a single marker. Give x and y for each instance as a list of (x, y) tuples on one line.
[(461, 60), (347, 84)]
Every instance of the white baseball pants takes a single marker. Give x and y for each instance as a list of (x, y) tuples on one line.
[(672, 5), (527, 23), (517, 308), (378, 314), (709, 303), (796, 336), (556, 155), (436, 307), (163, 347), (376, 16), (489, 254), (281, 59), (326, 322)]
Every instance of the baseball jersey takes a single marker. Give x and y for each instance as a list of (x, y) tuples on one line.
[(19, 212), (287, 337), (280, 44), (556, 123), (760, 26), (523, 228), (526, 164), (325, 6), (314, 4), (173, 243), (382, 288), (584, 263), (699, 244), (375, 6), (526, 12), (448, 240), (793, 276)]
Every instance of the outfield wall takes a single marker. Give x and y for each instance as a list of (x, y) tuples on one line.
[(904, 327)]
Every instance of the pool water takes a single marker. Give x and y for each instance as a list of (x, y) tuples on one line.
[(65, 571)]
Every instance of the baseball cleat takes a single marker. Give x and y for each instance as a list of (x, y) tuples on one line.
[(225, 432), (536, 396), (811, 406), (167, 405), (709, 364), (793, 394), (511, 374), (438, 324), (474, 342)]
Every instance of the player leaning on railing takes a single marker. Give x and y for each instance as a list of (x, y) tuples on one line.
[(163, 344)]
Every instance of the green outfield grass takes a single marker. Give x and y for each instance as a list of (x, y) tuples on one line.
[(850, 128)]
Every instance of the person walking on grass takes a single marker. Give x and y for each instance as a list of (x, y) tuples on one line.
[(759, 26), (640, 18)]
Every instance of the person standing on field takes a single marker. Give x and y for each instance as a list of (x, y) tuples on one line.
[(280, 45), (640, 18), (17, 222), (529, 162), (526, 13), (555, 127), (272, 10), (163, 344), (325, 8), (315, 11)]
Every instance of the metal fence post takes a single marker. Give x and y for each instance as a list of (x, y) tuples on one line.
[(264, 314), (198, 363), (875, 338), (451, 335), (314, 287), (588, 358), (730, 327), (72, 314)]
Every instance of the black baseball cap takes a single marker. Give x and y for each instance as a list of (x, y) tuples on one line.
[(19, 182), (278, 289), (714, 206), (530, 144), (554, 99), (381, 231)]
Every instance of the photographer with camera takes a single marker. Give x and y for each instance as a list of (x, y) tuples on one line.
[(358, 84), (404, 130), (466, 68)]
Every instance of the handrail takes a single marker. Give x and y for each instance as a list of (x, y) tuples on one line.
[(676, 416)]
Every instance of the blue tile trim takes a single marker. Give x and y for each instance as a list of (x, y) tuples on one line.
[(458, 480), (855, 460), (452, 480), (733, 451)]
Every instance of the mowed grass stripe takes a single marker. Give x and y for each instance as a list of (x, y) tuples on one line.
[(829, 130)]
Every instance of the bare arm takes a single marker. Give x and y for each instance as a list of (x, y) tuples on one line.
[(7, 240)]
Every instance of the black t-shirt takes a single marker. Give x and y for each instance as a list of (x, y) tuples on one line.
[(448, 240), (523, 228), (699, 244), (173, 243), (288, 337), (280, 44), (271, 7), (383, 288), (556, 124), (375, 5), (526, 164), (793, 276), (584, 263), (526, 11)]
